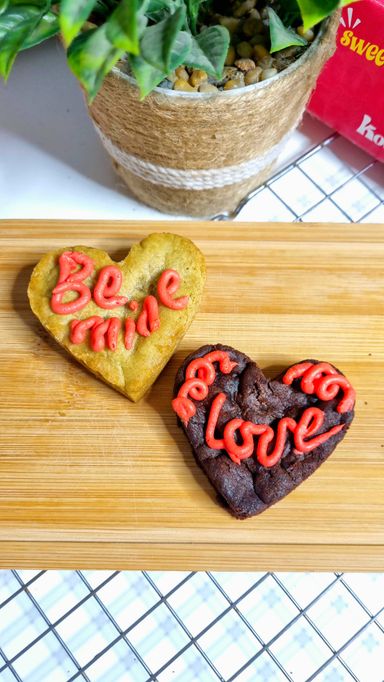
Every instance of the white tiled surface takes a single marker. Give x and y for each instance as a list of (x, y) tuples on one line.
[(177, 627), (288, 626)]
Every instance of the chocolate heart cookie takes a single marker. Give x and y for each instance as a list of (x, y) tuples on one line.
[(123, 320), (258, 439)]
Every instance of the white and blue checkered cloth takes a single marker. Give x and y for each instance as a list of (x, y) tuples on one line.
[(59, 626)]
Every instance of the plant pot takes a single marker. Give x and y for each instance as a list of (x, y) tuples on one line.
[(201, 154)]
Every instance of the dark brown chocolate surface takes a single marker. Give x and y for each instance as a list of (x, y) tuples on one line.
[(249, 488)]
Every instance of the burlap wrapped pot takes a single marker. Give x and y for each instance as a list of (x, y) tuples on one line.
[(200, 154)]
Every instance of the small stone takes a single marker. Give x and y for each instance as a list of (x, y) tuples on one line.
[(308, 35), (208, 87), (252, 26), (266, 62), (182, 73), (258, 39), (244, 49), (245, 64), (198, 77), (172, 77), (166, 84), (231, 23), (232, 84), (230, 72), (244, 8), (268, 73), (183, 85), (231, 56), (259, 51), (253, 76)]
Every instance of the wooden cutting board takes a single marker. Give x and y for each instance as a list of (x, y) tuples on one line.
[(88, 479)]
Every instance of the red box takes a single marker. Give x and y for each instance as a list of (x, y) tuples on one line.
[(349, 95)]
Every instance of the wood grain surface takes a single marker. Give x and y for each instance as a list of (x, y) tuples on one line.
[(88, 479)]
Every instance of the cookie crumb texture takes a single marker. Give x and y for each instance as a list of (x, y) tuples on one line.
[(248, 488)]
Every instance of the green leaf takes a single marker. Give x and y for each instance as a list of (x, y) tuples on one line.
[(3, 5), (103, 8), (281, 36), (91, 56), (209, 50), (73, 14), (181, 48), (314, 11), (193, 7), (126, 24), (147, 76), (17, 22), (157, 9), (47, 27), (289, 13), (158, 44)]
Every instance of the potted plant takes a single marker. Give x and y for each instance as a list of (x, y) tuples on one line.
[(193, 99)]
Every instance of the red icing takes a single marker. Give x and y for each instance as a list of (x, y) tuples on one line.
[(112, 332), (148, 320), (182, 405), (321, 379), (75, 267), (204, 370), (168, 285), (104, 333), (79, 328), (68, 262), (210, 439), (310, 421), (324, 381), (107, 286), (71, 279), (129, 332), (269, 459), (79, 303)]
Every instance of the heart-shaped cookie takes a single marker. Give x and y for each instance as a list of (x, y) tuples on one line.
[(258, 439), (123, 320)]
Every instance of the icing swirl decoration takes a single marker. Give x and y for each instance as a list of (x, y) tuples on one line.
[(200, 374), (239, 436), (74, 268)]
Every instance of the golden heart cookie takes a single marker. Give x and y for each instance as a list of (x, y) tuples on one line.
[(123, 321)]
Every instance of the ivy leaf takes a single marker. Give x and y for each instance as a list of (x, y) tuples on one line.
[(281, 36), (91, 56), (193, 7), (314, 11), (17, 22), (160, 43), (181, 48), (47, 27), (73, 14), (157, 9), (209, 50), (147, 76), (125, 25)]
